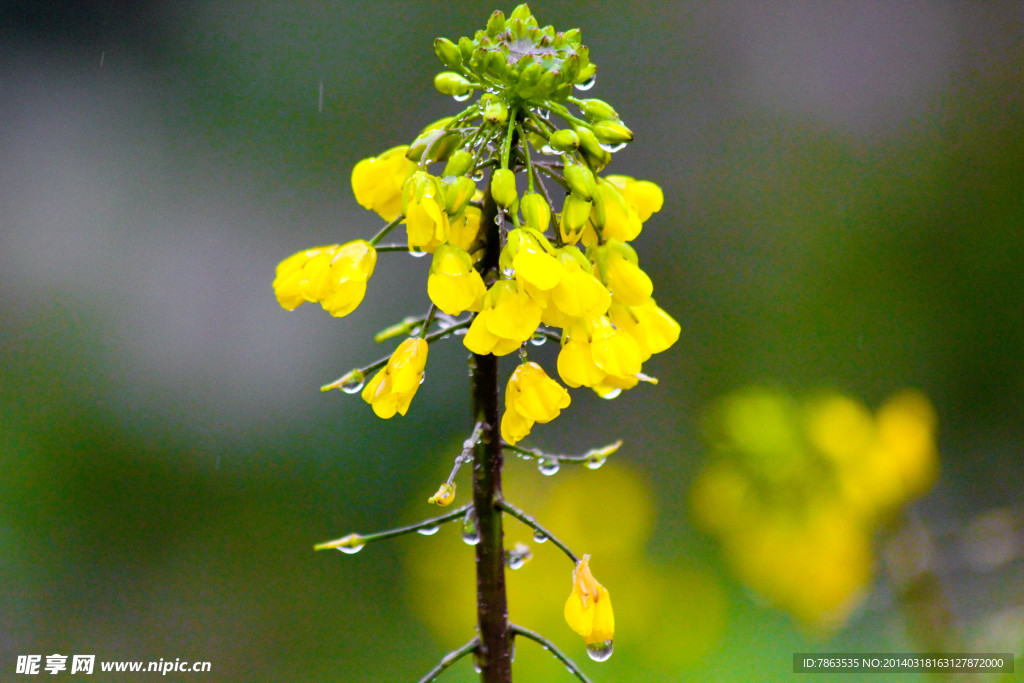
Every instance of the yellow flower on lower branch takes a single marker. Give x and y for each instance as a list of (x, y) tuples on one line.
[(391, 390), (588, 611), (335, 276), (531, 396)]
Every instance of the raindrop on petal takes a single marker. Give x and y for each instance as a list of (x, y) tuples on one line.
[(612, 394)]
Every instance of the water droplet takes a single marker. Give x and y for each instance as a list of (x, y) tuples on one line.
[(547, 149), (508, 273), (478, 176), (354, 385), (587, 84), (548, 467), (545, 114), (594, 462), (463, 97), (470, 532), (418, 254), (499, 220), (351, 549), (600, 652), (612, 149), (516, 557), (428, 530), (540, 537), (612, 394), (538, 338), (461, 332)]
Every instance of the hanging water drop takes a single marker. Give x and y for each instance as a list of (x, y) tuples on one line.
[(540, 537), (587, 84), (417, 254), (538, 338), (354, 385), (478, 176), (600, 652), (428, 530), (594, 462), (547, 149), (351, 549), (611, 394), (470, 532), (548, 467), (516, 557), (463, 97), (612, 149)]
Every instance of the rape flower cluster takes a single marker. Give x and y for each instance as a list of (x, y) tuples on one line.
[(795, 491), (542, 251)]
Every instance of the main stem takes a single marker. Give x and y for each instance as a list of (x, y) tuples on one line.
[(494, 655)]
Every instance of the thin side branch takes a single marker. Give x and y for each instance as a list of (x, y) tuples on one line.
[(548, 645), (358, 540), (449, 659), (529, 521)]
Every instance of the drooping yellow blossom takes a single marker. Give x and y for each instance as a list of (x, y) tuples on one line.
[(509, 317), (527, 252), (530, 396), (612, 216), (425, 218), (391, 390), (335, 276), (454, 285), (653, 329), (377, 182), (617, 266), (578, 293), (597, 353), (588, 611), (464, 232), (645, 197)]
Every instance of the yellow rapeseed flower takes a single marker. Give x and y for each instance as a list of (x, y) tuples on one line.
[(645, 197), (377, 182), (509, 317), (530, 396), (453, 284), (391, 390), (425, 218), (588, 611), (653, 329), (335, 276)]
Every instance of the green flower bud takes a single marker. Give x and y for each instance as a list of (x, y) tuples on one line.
[(596, 156), (612, 132), (451, 83), (575, 212), (503, 187), (466, 47), (580, 180), (564, 140), (521, 12), (536, 211), (448, 52), (459, 163), (587, 72), (496, 24), (457, 193), (495, 112), (598, 110), (433, 143)]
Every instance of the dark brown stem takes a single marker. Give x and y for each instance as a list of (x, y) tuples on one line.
[(494, 653)]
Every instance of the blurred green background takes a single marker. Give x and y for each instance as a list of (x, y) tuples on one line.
[(844, 210)]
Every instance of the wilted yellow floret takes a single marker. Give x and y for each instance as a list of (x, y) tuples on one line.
[(377, 182), (444, 496), (588, 611), (335, 276), (531, 396), (391, 390), (453, 284)]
